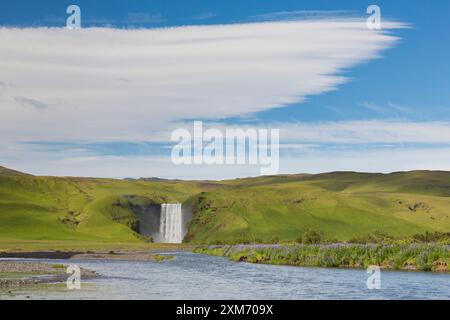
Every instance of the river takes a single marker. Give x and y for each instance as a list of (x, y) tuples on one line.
[(196, 276)]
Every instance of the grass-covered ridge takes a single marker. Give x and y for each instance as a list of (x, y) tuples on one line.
[(340, 206)]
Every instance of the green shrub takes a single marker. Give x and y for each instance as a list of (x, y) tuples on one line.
[(275, 240), (312, 236), (433, 237), (378, 236)]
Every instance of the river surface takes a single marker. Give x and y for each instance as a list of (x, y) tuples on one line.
[(196, 276)]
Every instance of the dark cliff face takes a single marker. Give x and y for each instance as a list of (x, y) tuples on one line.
[(145, 214), (188, 214), (148, 219)]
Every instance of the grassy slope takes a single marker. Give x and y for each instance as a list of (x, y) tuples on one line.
[(74, 210), (341, 205), (69, 212)]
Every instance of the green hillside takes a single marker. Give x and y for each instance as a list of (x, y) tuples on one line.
[(77, 210), (341, 205)]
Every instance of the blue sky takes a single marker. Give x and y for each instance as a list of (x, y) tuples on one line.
[(397, 95)]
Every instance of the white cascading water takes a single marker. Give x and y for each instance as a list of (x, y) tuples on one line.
[(171, 223)]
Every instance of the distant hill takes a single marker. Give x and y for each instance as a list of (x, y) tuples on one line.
[(341, 205), (6, 171)]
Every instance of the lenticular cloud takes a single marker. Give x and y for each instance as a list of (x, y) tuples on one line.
[(117, 84)]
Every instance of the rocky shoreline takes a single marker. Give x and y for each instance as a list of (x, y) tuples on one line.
[(13, 274), (88, 255)]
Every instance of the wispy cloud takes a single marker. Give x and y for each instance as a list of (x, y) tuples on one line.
[(364, 132), (374, 146), (304, 15), (131, 19), (139, 17), (389, 109), (311, 161), (204, 16), (28, 102)]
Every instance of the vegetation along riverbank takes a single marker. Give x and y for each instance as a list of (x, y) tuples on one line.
[(393, 256)]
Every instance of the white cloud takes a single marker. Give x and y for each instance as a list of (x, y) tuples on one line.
[(114, 84), (376, 160), (365, 132), (313, 161), (306, 135)]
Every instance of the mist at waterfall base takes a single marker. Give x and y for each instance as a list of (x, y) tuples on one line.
[(165, 223)]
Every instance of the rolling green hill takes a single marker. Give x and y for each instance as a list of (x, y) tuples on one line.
[(341, 205), (77, 210)]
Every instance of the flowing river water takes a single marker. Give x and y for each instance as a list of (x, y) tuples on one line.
[(196, 276)]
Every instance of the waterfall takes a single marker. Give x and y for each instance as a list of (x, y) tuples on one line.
[(165, 223), (171, 223)]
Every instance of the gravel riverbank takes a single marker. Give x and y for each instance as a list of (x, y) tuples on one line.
[(26, 273)]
